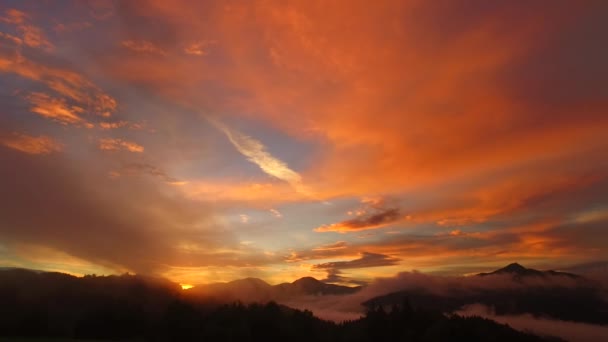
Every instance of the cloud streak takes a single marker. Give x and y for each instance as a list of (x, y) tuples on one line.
[(32, 144), (367, 260), (143, 47), (115, 144), (373, 214), (257, 153)]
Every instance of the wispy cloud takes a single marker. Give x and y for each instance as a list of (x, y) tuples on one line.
[(65, 83), (31, 144), (367, 260), (112, 125), (332, 246), (111, 144), (198, 48), (56, 109), (276, 213), (256, 153), (143, 46), (378, 218), (30, 35), (135, 169)]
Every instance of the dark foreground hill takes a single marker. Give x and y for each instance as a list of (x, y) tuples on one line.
[(133, 308)]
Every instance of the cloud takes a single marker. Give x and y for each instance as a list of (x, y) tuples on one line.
[(276, 213), (69, 206), (198, 48), (256, 153), (332, 246), (115, 144), (376, 219), (56, 109), (11, 38), (113, 125), (68, 84), (242, 192), (339, 308), (30, 35), (143, 46), (367, 260), (379, 100), (133, 168), (14, 16), (31, 144)]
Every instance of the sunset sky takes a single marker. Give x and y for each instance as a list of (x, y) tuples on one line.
[(208, 141)]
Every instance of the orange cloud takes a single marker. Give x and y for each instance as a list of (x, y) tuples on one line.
[(11, 38), (143, 46), (112, 144), (490, 152), (372, 221), (56, 109), (14, 16), (198, 48), (66, 83), (408, 111), (332, 246), (31, 35), (257, 194), (31, 144), (112, 125), (374, 212)]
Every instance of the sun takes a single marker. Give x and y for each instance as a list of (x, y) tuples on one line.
[(186, 286)]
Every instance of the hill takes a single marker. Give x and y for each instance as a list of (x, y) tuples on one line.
[(518, 271), (256, 290), (512, 290), (135, 308)]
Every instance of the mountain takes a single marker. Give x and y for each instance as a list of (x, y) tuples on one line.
[(238, 290), (55, 306), (257, 290), (520, 271), (558, 295), (312, 286)]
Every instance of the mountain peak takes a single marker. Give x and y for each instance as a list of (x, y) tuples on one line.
[(307, 280), (513, 268), (250, 281)]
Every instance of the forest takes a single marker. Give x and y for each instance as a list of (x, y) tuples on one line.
[(136, 308)]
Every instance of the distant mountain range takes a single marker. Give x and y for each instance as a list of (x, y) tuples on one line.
[(56, 306), (257, 290), (512, 290), (518, 271)]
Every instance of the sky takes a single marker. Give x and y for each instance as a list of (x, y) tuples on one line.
[(208, 141)]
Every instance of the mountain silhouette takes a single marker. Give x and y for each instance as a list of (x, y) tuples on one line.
[(519, 271), (312, 286), (512, 290), (54, 306), (257, 290)]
